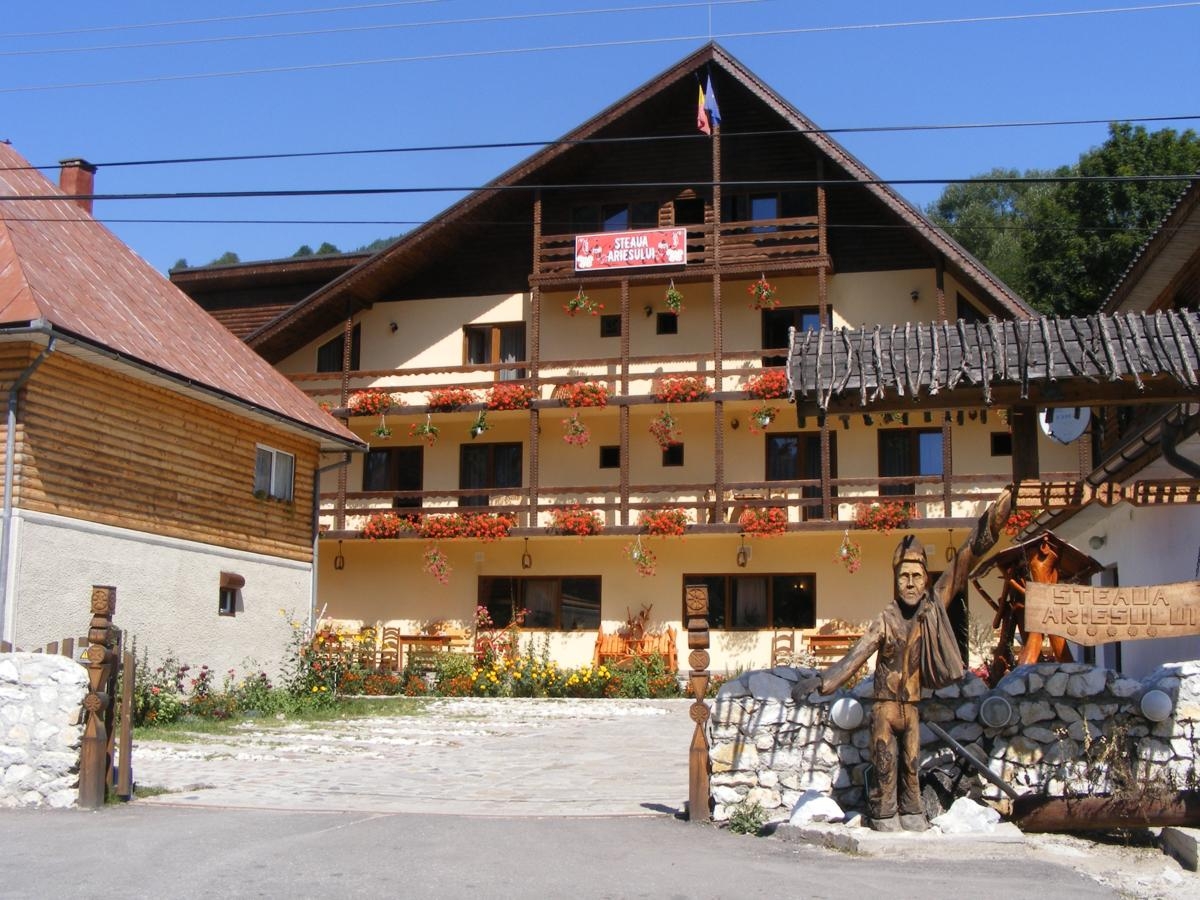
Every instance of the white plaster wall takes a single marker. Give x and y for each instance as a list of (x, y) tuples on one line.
[(1149, 545), (167, 592)]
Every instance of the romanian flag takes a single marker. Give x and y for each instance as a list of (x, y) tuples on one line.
[(707, 112)]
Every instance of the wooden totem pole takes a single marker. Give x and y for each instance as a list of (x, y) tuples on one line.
[(698, 764), (102, 655)]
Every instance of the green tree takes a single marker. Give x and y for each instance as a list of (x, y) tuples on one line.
[(303, 250), (228, 258), (1063, 245), (180, 263), (326, 249)]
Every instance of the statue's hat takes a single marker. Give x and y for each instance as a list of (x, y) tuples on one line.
[(910, 550)]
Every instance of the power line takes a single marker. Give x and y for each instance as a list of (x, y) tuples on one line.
[(511, 145), (392, 26), (593, 45), (628, 185), (219, 19)]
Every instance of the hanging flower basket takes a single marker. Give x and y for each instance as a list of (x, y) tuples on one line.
[(383, 526), (884, 516), (575, 432), (509, 395), (382, 430), (643, 559), (584, 393), (664, 522), (449, 399), (849, 554), (480, 426), (762, 416), (435, 563), (762, 294), (371, 402), (763, 521), (582, 303), (426, 432), (674, 299), (770, 384), (576, 520), (664, 429)]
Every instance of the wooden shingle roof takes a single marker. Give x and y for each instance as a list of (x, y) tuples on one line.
[(955, 364), (62, 271)]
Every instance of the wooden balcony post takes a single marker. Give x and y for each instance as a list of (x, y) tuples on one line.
[(1023, 422)]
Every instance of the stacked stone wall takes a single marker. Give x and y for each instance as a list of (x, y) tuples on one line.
[(40, 729), (1071, 729)]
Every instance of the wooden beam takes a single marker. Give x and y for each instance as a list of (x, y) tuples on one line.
[(1023, 421)]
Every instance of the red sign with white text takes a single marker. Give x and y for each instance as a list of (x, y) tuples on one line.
[(631, 249)]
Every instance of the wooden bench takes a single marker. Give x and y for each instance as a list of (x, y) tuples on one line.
[(829, 648), (619, 650)]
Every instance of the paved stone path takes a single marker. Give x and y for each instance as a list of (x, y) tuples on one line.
[(491, 757)]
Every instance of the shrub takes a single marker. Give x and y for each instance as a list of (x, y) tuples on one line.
[(747, 817), (158, 693)]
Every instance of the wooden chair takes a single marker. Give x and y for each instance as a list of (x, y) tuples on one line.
[(783, 648), (389, 650)]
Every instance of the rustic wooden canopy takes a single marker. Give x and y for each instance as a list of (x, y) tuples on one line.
[(1096, 360)]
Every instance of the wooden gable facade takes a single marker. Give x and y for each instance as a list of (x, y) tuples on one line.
[(490, 296)]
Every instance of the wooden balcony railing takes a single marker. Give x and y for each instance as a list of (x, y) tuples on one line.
[(802, 499), (762, 243)]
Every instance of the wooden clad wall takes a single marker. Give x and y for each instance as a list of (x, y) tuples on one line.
[(98, 445)]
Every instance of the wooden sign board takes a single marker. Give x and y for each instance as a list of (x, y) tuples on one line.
[(1098, 615)]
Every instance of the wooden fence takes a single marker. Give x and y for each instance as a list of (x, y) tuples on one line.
[(110, 670)]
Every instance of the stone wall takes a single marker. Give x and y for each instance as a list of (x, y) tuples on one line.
[(1055, 729), (40, 730)]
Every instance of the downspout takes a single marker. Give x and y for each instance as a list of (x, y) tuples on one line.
[(316, 532), (1172, 433), (10, 442)]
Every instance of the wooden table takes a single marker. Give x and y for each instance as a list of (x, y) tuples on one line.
[(422, 645)]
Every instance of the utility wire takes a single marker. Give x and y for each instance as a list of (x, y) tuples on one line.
[(390, 26), (218, 19), (593, 45), (628, 185), (507, 145)]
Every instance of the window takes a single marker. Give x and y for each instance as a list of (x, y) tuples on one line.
[(616, 216), (562, 604), (908, 452), (1001, 443), (488, 466), (273, 473), (673, 455), (792, 457), (967, 311), (229, 593), (484, 344), (764, 205), (667, 323), (689, 211), (775, 325), (395, 469), (610, 326), (610, 457), (759, 601), (329, 354)]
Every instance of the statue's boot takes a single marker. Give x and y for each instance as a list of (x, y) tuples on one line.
[(892, 823), (916, 822)]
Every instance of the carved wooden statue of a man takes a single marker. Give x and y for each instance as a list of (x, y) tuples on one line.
[(917, 650)]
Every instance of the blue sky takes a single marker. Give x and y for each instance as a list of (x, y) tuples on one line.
[(533, 71)]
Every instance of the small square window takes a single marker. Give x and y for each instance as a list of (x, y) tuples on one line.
[(1001, 443), (273, 473), (229, 593), (673, 455), (610, 457), (610, 326), (668, 323)]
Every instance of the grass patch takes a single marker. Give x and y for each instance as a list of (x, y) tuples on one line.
[(192, 729)]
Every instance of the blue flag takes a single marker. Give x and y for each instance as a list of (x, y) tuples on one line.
[(710, 104)]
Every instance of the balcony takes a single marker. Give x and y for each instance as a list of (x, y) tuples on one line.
[(775, 244)]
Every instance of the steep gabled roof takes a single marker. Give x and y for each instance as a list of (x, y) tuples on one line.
[(61, 269), (380, 274), (1165, 270)]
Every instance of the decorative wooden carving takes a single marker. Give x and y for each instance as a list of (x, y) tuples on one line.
[(696, 602), (102, 655)]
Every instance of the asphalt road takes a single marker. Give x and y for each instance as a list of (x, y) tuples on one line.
[(146, 850)]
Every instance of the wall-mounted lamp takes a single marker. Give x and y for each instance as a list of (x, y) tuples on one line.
[(393, 327), (915, 294), (735, 424), (867, 420), (648, 310), (339, 561), (526, 559), (1096, 541), (743, 553)]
